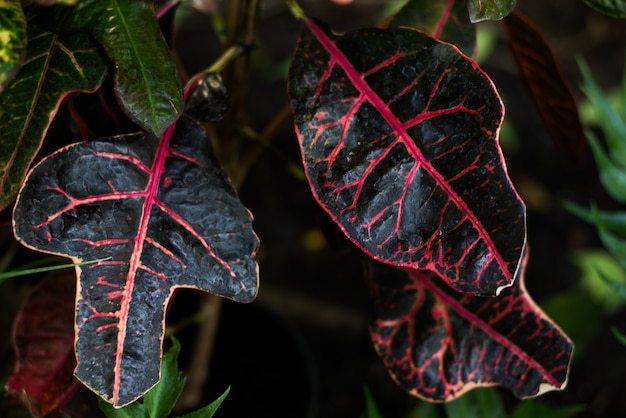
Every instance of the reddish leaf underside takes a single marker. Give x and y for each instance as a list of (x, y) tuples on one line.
[(437, 344), (398, 134), (44, 342), (547, 86), (159, 214)]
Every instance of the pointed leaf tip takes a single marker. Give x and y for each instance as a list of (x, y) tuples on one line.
[(400, 147)]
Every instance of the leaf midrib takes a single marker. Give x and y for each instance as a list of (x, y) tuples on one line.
[(396, 125)]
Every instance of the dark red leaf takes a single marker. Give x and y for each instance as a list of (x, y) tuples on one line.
[(547, 86), (437, 344), (399, 136), (444, 20), (43, 335), (159, 214)]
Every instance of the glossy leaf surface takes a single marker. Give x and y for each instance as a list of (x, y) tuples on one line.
[(399, 137), (43, 336), (480, 10), (437, 344), (614, 8), (55, 66), (12, 40), (159, 214), (548, 88), (146, 81), (444, 20)]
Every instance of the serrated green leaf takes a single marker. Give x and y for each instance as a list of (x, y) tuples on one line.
[(12, 40), (56, 65), (446, 21), (610, 121), (146, 81), (163, 396), (480, 10), (209, 410), (613, 8)]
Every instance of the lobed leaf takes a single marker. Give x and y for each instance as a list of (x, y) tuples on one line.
[(613, 8), (480, 10), (12, 40), (147, 83), (547, 86), (399, 139), (437, 344), (443, 20), (56, 65), (43, 336), (164, 215)]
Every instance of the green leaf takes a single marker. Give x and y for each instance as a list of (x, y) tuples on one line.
[(146, 82), (371, 410), (612, 123), (24, 272), (12, 40), (209, 410), (534, 409), (163, 396), (446, 21), (613, 8), (479, 403), (595, 267), (613, 177), (614, 221), (55, 66), (480, 10), (620, 337), (133, 410), (158, 401)]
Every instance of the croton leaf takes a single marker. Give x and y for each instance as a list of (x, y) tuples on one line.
[(43, 336), (399, 137), (56, 65), (443, 20), (437, 344), (146, 81), (12, 40), (547, 86), (480, 10), (614, 8), (159, 214)]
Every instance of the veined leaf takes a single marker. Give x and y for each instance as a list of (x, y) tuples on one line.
[(12, 40), (165, 214), (547, 86), (437, 344), (444, 20), (146, 81), (613, 8), (399, 138), (480, 10), (43, 335), (56, 65)]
